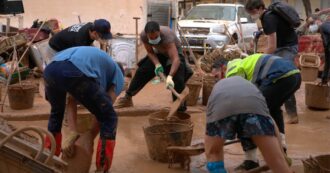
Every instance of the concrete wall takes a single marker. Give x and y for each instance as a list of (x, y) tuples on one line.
[(120, 13)]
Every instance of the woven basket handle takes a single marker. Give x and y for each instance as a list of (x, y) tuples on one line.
[(40, 132)]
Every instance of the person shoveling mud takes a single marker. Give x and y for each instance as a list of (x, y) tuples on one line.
[(277, 79), (164, 56), (90, 76), (249, 120)]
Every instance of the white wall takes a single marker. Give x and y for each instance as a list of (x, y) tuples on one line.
[(120, 13)]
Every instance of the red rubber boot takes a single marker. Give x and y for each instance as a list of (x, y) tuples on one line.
[(104, 154), (58, 140)]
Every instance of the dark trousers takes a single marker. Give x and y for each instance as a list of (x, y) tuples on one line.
[(145, 73), (289, 53), (326, 45), (63, 77), (279, 92)]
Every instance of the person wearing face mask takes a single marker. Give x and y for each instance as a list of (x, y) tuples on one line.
[(314, 24), (164, 55), (82, 34), (282, 41)]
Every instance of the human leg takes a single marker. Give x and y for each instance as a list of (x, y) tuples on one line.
[(272, 153), (144, 73), (56, 96), (214, 154), (97, 101), (289, 53)]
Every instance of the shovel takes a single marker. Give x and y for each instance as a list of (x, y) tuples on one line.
[(180, 99)]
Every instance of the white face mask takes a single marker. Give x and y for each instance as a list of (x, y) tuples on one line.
[(313, 28), (155, 41)]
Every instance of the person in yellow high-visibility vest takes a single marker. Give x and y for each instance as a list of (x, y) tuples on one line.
[(277, 79)]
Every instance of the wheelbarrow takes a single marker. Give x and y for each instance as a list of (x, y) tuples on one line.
[(19, 155)]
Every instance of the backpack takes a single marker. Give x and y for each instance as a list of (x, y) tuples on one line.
[(287, 12)]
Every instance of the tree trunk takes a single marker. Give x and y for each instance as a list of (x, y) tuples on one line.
[(308, 7)]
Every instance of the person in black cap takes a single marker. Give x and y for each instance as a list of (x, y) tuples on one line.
[(82, 34)]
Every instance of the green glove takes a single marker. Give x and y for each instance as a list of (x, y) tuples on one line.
[(159, 69)]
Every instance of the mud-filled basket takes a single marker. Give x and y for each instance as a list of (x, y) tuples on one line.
[(309, 64), (160, 118), (317, 96), (208, 83), (195, 85), (21, 96), (318, 164), (160, 136)]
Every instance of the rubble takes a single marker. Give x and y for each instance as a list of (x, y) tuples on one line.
[(228, 52)]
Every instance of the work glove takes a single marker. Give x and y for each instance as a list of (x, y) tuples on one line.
[(169, 82), (58, 141), (104, 154), (159, 69), (68, 144)]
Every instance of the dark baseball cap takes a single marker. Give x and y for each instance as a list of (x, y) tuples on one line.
[(103, 27)]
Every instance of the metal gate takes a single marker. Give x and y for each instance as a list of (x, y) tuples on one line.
[(162, 11)]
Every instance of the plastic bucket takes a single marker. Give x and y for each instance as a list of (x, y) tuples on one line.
[(309, 67), (317, 96)]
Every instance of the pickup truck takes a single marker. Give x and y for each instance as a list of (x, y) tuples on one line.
[(216, 25)]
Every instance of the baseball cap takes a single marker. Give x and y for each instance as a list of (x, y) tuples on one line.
[(103, 27)]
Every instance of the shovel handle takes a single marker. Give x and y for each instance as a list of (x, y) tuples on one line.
[(162, 76)]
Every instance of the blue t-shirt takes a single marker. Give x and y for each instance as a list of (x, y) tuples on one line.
[(94, 63)]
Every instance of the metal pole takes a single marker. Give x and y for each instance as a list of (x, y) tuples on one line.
[(136, 39)]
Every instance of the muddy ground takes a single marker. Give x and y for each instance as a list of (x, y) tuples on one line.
[(309, 137)]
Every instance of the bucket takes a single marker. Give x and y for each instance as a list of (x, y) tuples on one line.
[(317, 96), (309, 67), (195, 85), (319, 164), (21, 96), (160, 136), (208, 83), (160, 116)]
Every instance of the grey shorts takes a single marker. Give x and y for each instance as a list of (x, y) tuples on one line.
[(242, 126)]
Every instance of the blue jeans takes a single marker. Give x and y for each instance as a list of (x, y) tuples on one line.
[(63, 77), (289, 53)]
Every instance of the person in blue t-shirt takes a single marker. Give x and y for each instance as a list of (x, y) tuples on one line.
[(95, 80)]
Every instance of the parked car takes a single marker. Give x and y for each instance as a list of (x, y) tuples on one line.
[(217, 25)]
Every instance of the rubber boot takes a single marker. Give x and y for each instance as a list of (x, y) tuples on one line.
[(58, 140), (104, 154)]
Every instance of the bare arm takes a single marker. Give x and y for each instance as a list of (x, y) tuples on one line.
[(112, 94), (174, 57), (271, 41), (151, 54), (323, 12)]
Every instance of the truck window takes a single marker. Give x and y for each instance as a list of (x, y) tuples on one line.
[(212, 13), (243, 14)]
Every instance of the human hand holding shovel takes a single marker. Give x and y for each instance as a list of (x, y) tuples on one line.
[(180, 97)]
